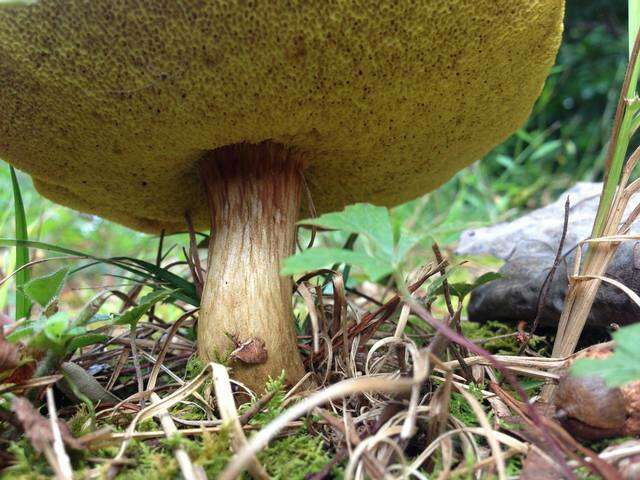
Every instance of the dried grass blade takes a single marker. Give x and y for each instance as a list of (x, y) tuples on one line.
[(466, 471), (162, 405), (64, 470), (136, 363), (339, 390), (187, 468), (153, 377), (229, 414), (500, 436), (489, 432), (632, 295), (371, 465), (31, 383), (313, 316), (402, 321), (384, 437)]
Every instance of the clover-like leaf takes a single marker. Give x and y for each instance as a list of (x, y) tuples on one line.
[(316, 258), (364, 219), (623, 366), (386, 247)]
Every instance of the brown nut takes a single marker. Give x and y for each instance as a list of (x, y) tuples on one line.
[(589, 409), (589, 401)]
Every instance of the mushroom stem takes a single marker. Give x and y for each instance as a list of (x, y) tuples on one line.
[(254, 200)]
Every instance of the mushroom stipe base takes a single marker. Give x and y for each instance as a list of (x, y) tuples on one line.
[(254, 198)]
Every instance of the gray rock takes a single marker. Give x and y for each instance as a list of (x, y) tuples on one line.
[(529, 245), (514, 297), (543, 225)]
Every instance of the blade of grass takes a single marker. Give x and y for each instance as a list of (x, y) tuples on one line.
[(141, 268), (634, 22), (23, 305)]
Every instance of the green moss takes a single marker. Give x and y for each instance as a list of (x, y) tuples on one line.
[(148, 425), (508, 345), (273, 408), (151, 462), (599, 445), (174, 441), (514, 466), (27, 463), (460, 408), (193, 368), (187, 411), (212, 452), (294, 457), (80, 423)]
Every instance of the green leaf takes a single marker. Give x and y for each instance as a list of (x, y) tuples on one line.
[(23, 305), (47, 333), (486, 278), (388, 244), (623, 366), (133, 315), (21, 332), (365, 219), (56, 326), (84, 341), (316, 258), (545, 149), (406, 242), (43, 289), (56, 333), (461, 290)]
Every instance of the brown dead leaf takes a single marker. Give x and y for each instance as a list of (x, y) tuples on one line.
[(9, 354), (252, 351), (38, 428), (536, 467), (23, 374)]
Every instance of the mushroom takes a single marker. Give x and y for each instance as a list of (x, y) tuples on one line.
[(143, 111)]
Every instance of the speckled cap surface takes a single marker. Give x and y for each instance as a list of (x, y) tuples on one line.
[(109, 104)]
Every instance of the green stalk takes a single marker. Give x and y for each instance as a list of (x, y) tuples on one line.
[(634, 22), (23, 305), (623, 126)]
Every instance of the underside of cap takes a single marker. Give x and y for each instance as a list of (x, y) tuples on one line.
[(110, 105)]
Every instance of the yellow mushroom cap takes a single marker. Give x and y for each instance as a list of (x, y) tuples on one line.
[(110, 104)]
